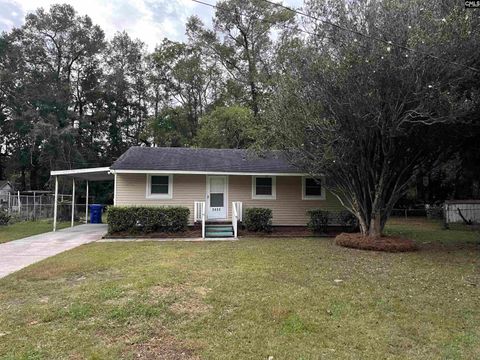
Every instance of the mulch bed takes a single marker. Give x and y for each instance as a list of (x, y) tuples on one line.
[(196, 232), (383, 243), (191, 232), (286, 231)]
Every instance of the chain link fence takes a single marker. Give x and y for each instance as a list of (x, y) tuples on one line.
[(466, 212), (409, 213), (37, 207)]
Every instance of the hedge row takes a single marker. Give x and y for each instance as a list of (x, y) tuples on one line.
[(320, 219), (260, 219), (147, 219)]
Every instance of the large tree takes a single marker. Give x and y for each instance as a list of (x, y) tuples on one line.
[(366, 111), (43, 68), (125, 93), (186, 78), (241, 40), (227, 127)]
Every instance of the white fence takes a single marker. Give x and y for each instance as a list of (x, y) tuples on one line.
[(469, 209)]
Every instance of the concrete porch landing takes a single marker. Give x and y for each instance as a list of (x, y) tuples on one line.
[(17, 254)]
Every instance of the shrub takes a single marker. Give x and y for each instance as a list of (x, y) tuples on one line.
[(258, 219), (147, 219), (346, 218), (318, 220), (4, 217), (14, 218)]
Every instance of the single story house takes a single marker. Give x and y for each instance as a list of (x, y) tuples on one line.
[(218, 184)]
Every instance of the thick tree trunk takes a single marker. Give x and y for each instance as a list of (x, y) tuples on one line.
[(375, 228), (253, 93)]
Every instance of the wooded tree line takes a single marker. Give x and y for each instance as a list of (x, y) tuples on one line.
[(70, 98), (368, 92)]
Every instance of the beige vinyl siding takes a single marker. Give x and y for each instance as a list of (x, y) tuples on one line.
[(132, 190), (288, 208)]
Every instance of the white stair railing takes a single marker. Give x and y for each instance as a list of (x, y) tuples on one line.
[(199, 214), (239, 207), (203, 219), (234, 220), (236, 216), (197, 211)]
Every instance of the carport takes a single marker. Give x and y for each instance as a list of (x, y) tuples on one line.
[(87, 175)]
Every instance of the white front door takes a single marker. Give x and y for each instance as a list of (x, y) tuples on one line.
[(216, 197)]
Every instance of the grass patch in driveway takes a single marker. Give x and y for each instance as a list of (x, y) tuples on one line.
[(249, 299), (23, 229)]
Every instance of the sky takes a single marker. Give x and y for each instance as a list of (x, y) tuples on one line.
[(147, 20)]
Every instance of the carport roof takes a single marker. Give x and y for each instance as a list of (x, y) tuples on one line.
[(91, 174)]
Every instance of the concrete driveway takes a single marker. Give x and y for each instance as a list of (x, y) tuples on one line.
[(17, 254)]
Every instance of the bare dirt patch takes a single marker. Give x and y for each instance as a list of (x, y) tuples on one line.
[(192, 306), (383, 243), (188, 300), (201, 290), (161, 346), (176, 289)]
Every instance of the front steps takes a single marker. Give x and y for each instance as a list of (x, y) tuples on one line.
[(218, 231)]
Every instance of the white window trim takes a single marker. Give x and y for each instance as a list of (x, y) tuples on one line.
[(310, 197), (149, 194), (264, 197)]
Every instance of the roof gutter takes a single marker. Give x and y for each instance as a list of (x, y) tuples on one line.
[(80, 171), (186, 172)]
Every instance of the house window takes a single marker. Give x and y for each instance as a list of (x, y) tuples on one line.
[(312, 189), (263, 187), (159, 186)]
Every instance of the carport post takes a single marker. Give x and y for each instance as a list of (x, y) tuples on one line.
[(34, 214), (55, 205), (86, 205), (73, 201)]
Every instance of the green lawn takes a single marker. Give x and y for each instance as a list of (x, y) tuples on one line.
[(249, 299), (27, 228)]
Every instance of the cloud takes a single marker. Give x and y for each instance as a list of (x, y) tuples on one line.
[(147, 20), (11, 15)]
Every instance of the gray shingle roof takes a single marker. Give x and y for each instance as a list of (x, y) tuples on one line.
[(205, 160)]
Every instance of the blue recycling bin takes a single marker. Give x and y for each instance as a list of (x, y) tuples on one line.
[(95, 213)]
